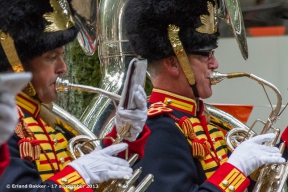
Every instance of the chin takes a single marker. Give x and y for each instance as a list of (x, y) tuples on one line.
[(49, 99), (206, 95)]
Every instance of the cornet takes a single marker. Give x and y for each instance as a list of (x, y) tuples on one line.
[(270, 177)]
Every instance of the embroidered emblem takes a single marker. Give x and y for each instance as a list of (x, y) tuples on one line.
[(28, 146), (209, 21), (157, 109)]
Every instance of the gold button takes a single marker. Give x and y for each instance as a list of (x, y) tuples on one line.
[(64, 180), (213, 140), (169, 101), (220, 157), (62, 160), (225, 183), (55, 141), (71, 188), (231, 188)]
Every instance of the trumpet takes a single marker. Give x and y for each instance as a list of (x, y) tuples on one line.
[(269, 177), (83, 144)]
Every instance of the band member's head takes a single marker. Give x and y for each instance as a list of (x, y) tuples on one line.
[(30, 30), (159, 29)]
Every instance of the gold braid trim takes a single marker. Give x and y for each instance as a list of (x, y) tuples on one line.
[(200, 147), (180, 53), (22, 129), (28, 146)]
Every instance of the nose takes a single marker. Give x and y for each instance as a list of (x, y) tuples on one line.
[(213, 63), (61, 66)]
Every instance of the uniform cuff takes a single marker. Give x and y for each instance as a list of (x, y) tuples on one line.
[(70, 180), (136, 146), (229, 178)]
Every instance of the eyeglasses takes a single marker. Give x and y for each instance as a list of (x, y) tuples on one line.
[(208, 54)]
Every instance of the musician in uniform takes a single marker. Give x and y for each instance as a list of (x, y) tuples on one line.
[(33, 34), (184, 152)]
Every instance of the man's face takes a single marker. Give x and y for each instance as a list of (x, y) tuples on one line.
[(202, 67), (45, 69)]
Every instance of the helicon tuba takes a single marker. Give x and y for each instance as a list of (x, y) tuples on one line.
[(270, 177), (115, 54)]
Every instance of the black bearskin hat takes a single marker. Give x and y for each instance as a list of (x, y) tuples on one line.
[(23, 20), (146, 24)]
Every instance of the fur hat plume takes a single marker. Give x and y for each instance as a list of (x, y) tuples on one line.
[(24, 21), (146, 24)]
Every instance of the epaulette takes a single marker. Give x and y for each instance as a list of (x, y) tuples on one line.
[(29, 147), (157, 109)]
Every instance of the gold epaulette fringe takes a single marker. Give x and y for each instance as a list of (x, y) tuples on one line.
[(29, 149), (28, 146), (200, 147)]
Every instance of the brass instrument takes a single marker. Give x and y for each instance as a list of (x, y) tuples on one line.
[(270, 177), (85, 17), (115, 54), (81, 144), (230, 13)]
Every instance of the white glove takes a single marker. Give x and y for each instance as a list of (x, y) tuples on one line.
[(8, 116), (136, 118), (251, 154), (99, 165)]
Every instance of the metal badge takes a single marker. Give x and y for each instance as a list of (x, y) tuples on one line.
[(209, 21)]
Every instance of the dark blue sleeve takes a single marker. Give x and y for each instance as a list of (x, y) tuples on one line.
[(22, 175), (168, 157)]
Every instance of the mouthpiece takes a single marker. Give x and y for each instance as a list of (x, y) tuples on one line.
[(217, 77), (62, 84)]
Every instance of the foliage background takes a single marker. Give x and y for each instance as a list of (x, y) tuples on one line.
[(82, 69)]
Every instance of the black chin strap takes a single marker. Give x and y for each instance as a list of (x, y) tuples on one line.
[(195, 91)]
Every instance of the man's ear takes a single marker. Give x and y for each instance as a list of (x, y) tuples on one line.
[(172, 65)]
